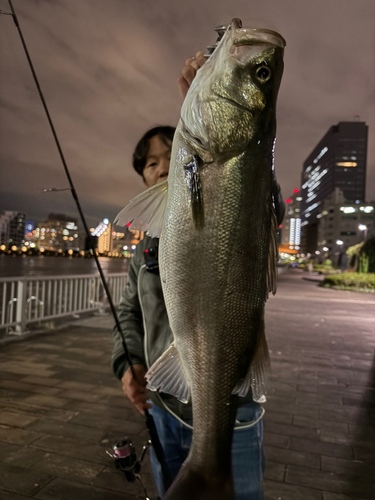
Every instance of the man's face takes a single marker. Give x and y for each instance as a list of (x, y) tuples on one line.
[(157, 162)]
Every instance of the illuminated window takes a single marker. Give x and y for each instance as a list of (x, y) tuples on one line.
[(346, 164)]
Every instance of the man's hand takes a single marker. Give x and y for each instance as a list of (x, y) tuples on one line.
[(135, 389), (189, 71)]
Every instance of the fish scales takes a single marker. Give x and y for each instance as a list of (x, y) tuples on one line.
[(217, 302), (218, 251)]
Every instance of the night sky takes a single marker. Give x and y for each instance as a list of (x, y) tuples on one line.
[(109, 68)]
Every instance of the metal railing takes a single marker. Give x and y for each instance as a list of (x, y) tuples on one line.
[(29, 300)]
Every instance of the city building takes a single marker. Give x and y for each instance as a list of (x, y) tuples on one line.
[(291, 227), (58, 233), (342, 224), (12, 228), (338, 161), (105, 237), (123, 242), (126, 242)]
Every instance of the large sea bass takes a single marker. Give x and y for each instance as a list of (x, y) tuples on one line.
[(218, 252)]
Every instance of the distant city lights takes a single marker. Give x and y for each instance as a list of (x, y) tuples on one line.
[(323, 152), (348, 210)]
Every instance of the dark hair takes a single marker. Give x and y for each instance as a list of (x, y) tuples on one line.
[(165, 133)]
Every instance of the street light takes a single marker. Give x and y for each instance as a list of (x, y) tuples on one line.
[(339, 242), (363, 228)]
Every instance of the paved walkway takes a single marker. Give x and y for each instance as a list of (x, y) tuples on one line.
[(61, 407)]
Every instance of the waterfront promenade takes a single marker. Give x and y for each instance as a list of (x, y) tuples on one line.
[(60, 407)]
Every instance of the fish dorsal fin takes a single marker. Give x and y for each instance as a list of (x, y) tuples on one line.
[(145, 212), (273, 254), (167, 375), (257, 374)]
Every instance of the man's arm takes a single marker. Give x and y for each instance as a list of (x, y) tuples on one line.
[(130, 317)]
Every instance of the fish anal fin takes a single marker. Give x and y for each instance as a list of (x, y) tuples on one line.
[(167, 375), (257, 374), (145, 212)]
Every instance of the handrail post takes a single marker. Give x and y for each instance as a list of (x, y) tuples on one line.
[(102, 297), (20, 327)]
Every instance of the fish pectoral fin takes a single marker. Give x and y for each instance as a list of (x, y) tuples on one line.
[(167, 375), (257, 374), (145, 212)]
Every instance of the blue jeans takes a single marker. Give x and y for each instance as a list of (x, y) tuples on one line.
[(248, 460)]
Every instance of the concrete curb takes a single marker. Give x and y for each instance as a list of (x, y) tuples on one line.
[(316, 279)]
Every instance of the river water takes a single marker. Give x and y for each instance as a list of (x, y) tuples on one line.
[(57, 266)]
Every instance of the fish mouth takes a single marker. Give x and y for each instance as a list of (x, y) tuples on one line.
[(258, 36), (234, 103)]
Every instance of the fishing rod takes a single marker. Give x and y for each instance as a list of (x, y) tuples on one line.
[(148, 418)]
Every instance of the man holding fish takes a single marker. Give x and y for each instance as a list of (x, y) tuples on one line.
[(212, 349)]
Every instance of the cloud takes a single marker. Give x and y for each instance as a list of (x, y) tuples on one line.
[(109, 69)]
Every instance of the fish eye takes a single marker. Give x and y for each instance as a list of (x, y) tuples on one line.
[(263, 74)]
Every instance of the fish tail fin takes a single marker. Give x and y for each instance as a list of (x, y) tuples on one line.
[(257, 374), (145, 212), (167, 375), (191, 484)]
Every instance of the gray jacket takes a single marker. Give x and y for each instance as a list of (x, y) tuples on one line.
[(144, 321)]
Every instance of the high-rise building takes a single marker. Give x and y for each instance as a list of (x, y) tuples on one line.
[(58, 232), (291, 226), (105, 239), (103, 233), (338, 161), (12, 228)]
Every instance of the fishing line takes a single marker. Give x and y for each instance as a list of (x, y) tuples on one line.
[(149, 419), (70, 181)]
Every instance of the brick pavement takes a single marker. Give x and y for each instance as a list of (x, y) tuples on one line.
[(60, 406)]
